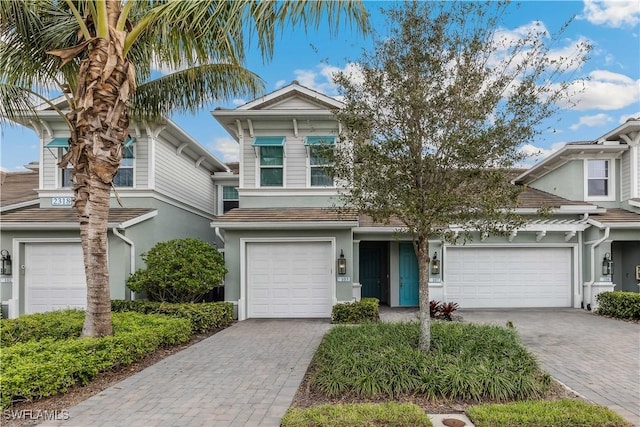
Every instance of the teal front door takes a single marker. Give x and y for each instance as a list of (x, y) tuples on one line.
[(408, 275)]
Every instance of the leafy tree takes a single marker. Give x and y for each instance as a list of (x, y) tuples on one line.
[(436, 115), (179, 270), (101, 53)]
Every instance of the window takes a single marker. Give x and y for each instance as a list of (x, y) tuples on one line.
[(318, 164), (124, 176), (271, 166), (319, 151), (229, 198), (598, 174)]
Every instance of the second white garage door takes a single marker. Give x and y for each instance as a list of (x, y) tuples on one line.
[(54, 277), (508, 277), (289, 279)]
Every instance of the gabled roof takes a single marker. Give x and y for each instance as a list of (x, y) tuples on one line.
[(294, 89), (18, 188), (616, 218), (534, 198)]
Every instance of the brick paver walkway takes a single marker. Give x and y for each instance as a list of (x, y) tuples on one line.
[(245, 375), (596, 356)]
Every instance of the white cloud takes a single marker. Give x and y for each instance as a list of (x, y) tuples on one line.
[(279, 84), (226, 148), (536, 154), (611, 13), (604, 90), (321, 78), (592, 121), (238, 102), (626, 117)]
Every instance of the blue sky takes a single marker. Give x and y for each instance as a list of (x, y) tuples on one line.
[(611, 95)]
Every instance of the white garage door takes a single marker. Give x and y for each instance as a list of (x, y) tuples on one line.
[(289, 279), (54, 277), (508, 277)]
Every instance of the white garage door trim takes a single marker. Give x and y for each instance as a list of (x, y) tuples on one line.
[(14, 302), (566, 267), (242, 301)]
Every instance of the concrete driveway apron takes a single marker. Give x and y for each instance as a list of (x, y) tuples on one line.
[(245, 375), (595, 356)]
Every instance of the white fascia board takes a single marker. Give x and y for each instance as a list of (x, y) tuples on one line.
[(564, 155), (633, 203), (628, 126), (380, 230), (20, 205), (291, 88), (283, 225), (137, 220), (199, 148), (564, 209)]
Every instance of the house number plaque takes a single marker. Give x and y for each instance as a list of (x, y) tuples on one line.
[(61, 201), (344, 279)]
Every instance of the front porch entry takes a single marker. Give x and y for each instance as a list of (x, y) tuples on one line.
[(374, 270)]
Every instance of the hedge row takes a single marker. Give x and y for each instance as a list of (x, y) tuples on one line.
[(364, 311), (204, 317), (57, 325), (622, 305), (36, 369)]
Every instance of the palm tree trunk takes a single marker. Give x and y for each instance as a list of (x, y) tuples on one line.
[(99, 128), (422, 253)]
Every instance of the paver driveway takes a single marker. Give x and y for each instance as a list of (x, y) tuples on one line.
[(593, 355), (245, 375)]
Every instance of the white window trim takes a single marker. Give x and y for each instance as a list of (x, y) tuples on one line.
[(611, 181), (284, 168), (221, 198), (309, 168), (59, 171)]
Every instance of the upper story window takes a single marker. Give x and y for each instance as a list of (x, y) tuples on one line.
[(599, 179), (318, 148), (124, 176), (270, 153), (230, 198)]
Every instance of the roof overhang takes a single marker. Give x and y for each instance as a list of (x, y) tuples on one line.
[(567, 153), (631, 125), (615, 225), (19, 205), (274, 225)]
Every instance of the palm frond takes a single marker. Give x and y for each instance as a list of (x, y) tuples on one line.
[(191, 89), (18, 105)]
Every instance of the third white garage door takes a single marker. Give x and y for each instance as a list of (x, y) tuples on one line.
[(508, 277), (289, 279)]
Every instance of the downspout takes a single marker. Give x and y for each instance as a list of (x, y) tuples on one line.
[(132, 252), (217, 231), (594, 244)]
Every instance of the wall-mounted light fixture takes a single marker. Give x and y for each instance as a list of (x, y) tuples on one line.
[(435, 264), (6, 262), (607, 265), (342, 263)]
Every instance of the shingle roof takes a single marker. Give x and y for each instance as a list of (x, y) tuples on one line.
[(287, 215), (66, 215), (18, 187), (617, 215), (534, 198)]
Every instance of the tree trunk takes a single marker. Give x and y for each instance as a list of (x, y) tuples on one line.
[(421, 248), (99, 127)]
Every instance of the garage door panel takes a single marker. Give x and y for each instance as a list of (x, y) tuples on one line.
[(509, 277), (289, 279), (54, 277)]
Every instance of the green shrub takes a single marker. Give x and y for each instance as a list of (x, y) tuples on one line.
[(180, 270), (356, 415), (365, 310), (58, 325), (467, 361), (557, 413), (204, 317), (36, 369), (622, 305)]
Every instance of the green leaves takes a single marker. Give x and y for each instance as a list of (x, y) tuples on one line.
[(180, 270), (623, 305)]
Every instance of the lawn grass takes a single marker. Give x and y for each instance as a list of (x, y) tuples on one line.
[(468, 362), (556, 413), (364, 414)]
